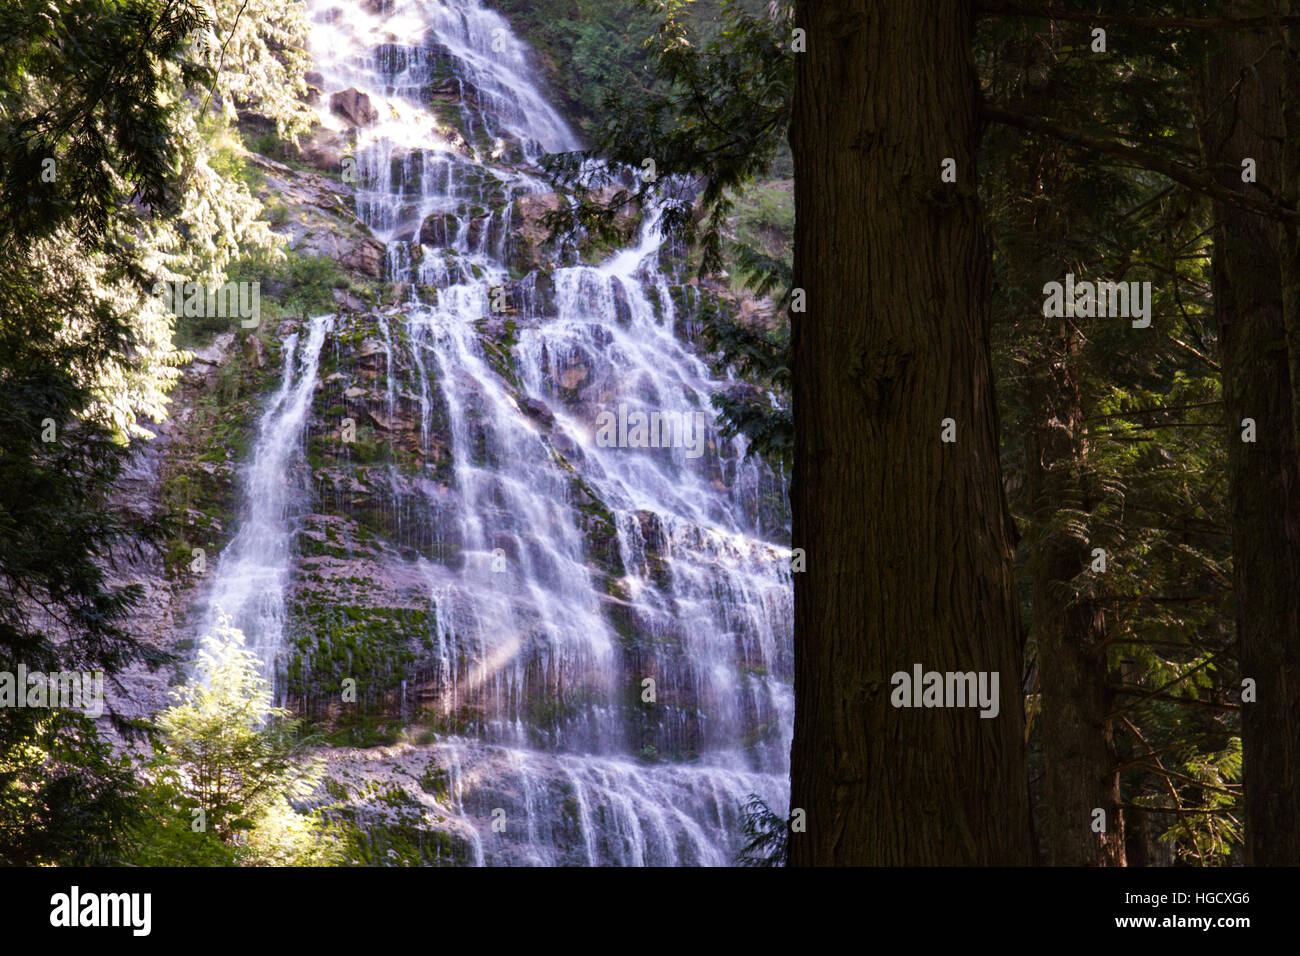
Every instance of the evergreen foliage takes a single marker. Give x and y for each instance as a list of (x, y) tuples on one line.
[(227, 767)]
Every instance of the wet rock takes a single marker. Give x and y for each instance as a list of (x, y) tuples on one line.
[(447, 91), (655, 542), (354, 106), (477, 228), (530, 236), (541, 300), (622, 307), (365, 255), (571, 374), (406, 172), (538, 412), (369, 348), (571, 378), (439, 230), (567, 447), (453, 137), (533, 295), (452, 90)]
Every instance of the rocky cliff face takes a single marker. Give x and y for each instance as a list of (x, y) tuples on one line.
[(586, 645)]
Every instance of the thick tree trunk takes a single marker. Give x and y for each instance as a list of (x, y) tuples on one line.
[(908, 557), (1242, 119)]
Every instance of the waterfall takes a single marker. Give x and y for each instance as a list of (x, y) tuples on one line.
[(251, 576), (607, 662)]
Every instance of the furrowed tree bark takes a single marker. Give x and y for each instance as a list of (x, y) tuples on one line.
[(906, 537), (1242, 118)]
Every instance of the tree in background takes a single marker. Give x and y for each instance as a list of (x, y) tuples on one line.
[(1108, 471), (594, 49)]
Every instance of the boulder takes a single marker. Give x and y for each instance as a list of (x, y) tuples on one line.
[(538, 412), (439, 230), (365, 255), (625, 216), (531, 235), (354, 106), (477, 228), (622, 307)]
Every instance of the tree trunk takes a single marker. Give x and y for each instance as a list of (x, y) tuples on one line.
[(1242, 118), (906, 536), (1069, 628)]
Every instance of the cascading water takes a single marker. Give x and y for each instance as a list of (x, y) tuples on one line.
[(608, 663), (249, 585)]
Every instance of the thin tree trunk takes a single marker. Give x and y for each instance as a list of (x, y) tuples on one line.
[(906, 537), (1069, 628)]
